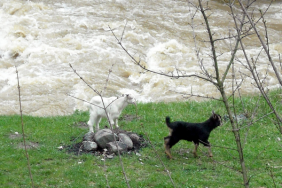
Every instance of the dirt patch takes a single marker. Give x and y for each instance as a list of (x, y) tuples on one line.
[(77, 147), (15, 135), (29, 145), (128, 117)]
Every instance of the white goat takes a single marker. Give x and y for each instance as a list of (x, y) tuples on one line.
[(114, 107)]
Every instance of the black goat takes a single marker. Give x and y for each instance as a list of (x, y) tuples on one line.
[(193, 132)]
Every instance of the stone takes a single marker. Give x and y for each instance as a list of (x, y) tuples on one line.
[(110, 156), (135, 138), (89, 136), (104, 136), (126, 140), (239, 118), (113, 149), (89, 145)]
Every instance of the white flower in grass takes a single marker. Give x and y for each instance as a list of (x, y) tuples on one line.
[(278, 139), (60, 147)]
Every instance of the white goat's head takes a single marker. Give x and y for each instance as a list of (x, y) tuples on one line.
[(129, 98)]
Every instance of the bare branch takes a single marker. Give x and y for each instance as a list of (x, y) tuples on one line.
[(168, 173), (108, 78), (104, 167), (95, 91), (262, 42), (123, 32), (24, 140), (105, 108), (160, 73), (194, 95)]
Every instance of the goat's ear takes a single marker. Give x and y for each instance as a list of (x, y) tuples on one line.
[(213, 115)]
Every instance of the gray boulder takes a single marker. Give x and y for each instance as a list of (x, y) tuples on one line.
[(104, 136), (89, 145), (135, 138), (89, 136), (111, 146), (126, 140)]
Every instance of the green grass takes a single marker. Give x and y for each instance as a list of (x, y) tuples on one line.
[(54, 168)]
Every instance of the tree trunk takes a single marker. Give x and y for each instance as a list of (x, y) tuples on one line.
[(237, 138)]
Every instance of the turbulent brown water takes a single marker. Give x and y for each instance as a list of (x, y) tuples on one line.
[(42, 37)]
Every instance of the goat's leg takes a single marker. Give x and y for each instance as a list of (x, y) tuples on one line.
[(209, 147), (97, 121), (210, 153), (91, 121), (195, 150), (167, 147), (170, 141), (111, 122), (116, 122)]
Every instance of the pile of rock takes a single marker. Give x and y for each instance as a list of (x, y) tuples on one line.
[(112, 141)]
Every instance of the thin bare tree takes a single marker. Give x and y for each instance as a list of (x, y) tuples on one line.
[(22, 125), (216, 78), (104, 107), (251, 63)]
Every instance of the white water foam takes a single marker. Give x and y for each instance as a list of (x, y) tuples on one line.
[(43, 38)]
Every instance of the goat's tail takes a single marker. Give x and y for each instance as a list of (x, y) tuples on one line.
[(167, 120)]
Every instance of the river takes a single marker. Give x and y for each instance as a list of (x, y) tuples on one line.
[(43, 37)]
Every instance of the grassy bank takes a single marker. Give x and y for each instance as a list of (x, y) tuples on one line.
[(54, 168)]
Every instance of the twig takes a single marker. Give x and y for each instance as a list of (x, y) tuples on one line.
[(79, 150), (194, 95), (261, 152), (197, 50), (123, 31), (158, 156), (238, 129), (217, 146), (271, 174), (24, 140), (108, 78), (105, 169), (156, 72), (90, 102), (262, 42), (111, 127), (237, 88), (96, 91), (220, 162)]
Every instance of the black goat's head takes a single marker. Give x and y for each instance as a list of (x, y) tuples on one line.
[(216, 118)]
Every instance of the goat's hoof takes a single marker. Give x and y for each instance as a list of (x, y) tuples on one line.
[(170, 157)]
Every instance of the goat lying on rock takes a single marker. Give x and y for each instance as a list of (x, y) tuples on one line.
[(195, 132), (113, 105)]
